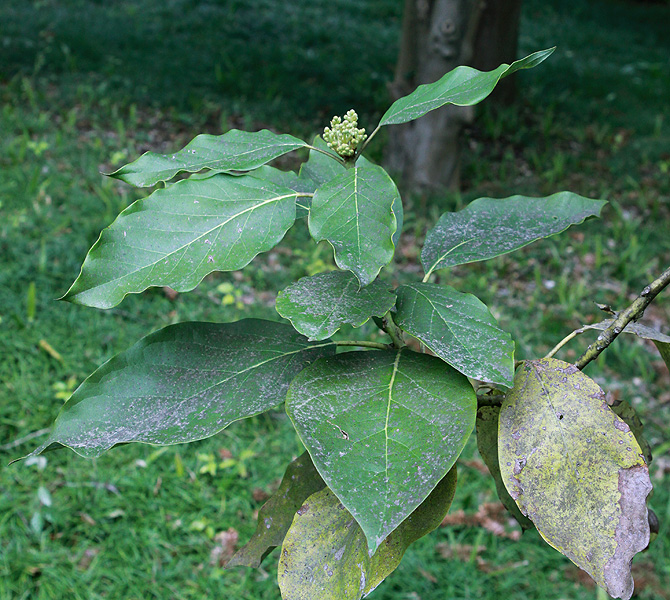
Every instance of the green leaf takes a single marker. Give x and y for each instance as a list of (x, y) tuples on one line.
[(319, 305), (183, 383), (664, 349), (325, 555), (383, 428), (300, 481), (291, 181), (232, 151), (490, 227), (354, 213), (486, 426), (575, 469), (179, 234), (464, 86), (458, 328), (320, 169), (661, 341)]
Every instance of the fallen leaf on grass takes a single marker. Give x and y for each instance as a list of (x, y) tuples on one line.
[(477, 465), (462, 552), (88, 519), (426, 575), (468, 553), (225, 542), (259, 495), (170, 294), (646, 580), (87, 558), (49, 349), (492, 516)]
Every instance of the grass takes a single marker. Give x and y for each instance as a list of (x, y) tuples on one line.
[(86, 86)]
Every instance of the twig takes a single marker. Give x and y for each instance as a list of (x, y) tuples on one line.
[(25, 438), (632, 313)]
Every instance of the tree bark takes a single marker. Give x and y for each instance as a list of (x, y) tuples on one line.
[(497, 43), (438, 36)]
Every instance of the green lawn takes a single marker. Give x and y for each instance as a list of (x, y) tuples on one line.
[(87, 85)]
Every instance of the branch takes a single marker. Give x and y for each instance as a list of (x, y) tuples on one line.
[(632, 313)]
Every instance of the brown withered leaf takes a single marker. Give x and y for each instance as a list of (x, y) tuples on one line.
[(224, 548), (492, 516)]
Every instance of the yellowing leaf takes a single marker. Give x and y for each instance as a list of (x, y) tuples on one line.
[(325, 554), (300, 481), (575, 469)]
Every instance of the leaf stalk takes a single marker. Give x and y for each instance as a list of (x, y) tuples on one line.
[(563, 342), (333, 156), (393, 331), (363, 344)]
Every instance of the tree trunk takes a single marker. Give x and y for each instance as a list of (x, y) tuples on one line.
[(497, 43), (438, 36)]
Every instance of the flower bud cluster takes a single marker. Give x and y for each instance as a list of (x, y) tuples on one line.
[(343, 135)]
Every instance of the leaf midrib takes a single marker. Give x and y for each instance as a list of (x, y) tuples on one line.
[(558, 422), (219, 382), (386, 428), (191, 242), (422, 103), (456, 339), (192, 167), (447, 253)]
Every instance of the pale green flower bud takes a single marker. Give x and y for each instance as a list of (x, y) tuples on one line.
[(343, 135)]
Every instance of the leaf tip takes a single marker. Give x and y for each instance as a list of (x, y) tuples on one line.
[(75, 297), (41, 448), (15, 460), (122, 175), (68, 296)]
